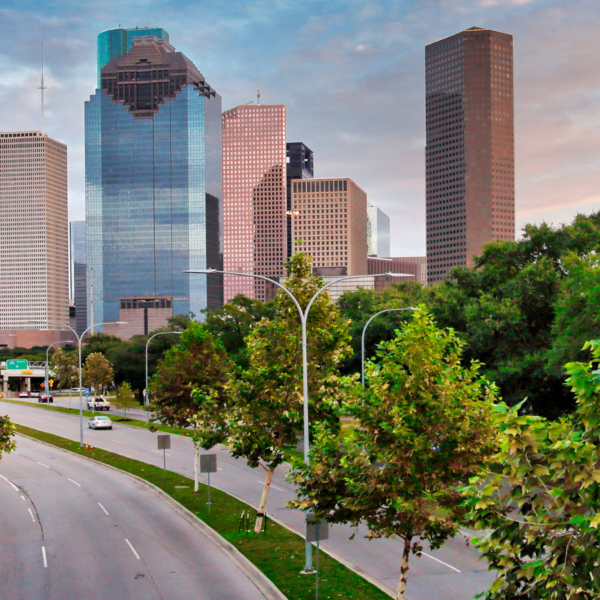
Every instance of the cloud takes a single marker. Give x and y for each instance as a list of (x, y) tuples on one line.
[(352, 75)]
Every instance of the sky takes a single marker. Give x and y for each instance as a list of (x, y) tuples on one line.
[(352, 75)]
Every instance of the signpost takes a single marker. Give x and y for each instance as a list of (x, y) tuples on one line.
[(208, 465), (164, 444), (18, 363), (316, 531)]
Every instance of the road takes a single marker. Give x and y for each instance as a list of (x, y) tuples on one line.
[(451, 573), (73, 530)]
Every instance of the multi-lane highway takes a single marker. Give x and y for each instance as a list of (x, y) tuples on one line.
[(71, 529), (450, 573)]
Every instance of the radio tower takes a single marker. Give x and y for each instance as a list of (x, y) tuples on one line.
[(42, 87)]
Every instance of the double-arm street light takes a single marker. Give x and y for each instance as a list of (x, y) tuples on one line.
[(79, 339), (46, 387), (146, 393), (362, 346), (303, 320)]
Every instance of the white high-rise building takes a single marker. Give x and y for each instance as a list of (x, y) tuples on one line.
[(378, 231), (34, 252)]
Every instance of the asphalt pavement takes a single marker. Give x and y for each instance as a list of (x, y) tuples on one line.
[(454, 572), (73, 530)]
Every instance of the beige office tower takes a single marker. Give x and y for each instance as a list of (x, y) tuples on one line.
[(254, 198), (34, 256), (329, 219)]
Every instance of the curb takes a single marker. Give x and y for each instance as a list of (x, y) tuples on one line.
[(256, 576)]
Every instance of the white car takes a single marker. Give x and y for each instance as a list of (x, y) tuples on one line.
[(100, 423)]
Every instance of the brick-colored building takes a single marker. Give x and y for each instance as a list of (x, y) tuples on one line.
[(254, 197), (330, 220), (140, 315), (411, 265), (34, 232), (470, 146)]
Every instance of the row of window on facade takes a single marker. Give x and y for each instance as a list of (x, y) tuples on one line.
[(146, 303), (320, 186)]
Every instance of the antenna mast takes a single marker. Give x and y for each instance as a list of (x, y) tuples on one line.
[(257, 97), (42, 88)]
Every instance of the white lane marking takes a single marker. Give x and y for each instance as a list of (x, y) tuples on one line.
[(43, 465), (441, 562), (32, 517), (273, 486), (72, 481), (60, 427), (159, 452), (23, 498), (120, 442), (133, 549), (11, 483), (102, 507), (219, 469), (44, 557)]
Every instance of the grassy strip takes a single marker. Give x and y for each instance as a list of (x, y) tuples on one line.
[(279, 553)]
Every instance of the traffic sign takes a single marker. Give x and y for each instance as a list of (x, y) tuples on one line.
[(51, 382), (17, 363), (87, 394)]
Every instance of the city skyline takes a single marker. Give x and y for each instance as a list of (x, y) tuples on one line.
[(377, 138)]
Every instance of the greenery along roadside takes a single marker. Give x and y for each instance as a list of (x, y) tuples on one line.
[(279, 553)]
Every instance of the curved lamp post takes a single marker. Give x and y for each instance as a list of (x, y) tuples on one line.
[(303, 319), (362, 346), (79, 339), (146, 395)]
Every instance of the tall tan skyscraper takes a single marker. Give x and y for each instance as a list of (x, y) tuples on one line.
[(34, 238), (330, 220), (470, 147), (254, 197)]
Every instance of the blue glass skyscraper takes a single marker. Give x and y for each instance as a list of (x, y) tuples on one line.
[(116, 42), (153, 160)]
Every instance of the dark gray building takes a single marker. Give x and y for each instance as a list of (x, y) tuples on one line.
[(300, 165), (80, 296)]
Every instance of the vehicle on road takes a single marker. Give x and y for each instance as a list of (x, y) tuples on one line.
[(34, 394), (99, 403), (25, 395), (46, 398), (100, 423), (76, 390)]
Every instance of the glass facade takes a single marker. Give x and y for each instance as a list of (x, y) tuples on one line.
[(116, 42), (153, 197)]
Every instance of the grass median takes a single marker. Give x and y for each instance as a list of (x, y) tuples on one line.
[(278, 553)]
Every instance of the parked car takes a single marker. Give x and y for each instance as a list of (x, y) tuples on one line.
[(99, 403), (100, 423), (46, 398)]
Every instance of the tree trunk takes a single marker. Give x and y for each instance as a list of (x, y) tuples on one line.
[(404, 569), (70, 393), (196, 465), (263, 501)]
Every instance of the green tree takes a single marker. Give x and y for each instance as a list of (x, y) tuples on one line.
[(125, 398), (542, 509), (98, 372), (577, 309), (129, 359), (188, 389), (7, 432), (232, 324), (267, 401), (422, 427), (65, 366), (99, 342)]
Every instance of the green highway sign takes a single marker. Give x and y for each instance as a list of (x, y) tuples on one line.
[(19, 363)]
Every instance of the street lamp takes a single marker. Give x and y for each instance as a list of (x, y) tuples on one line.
[(46, 389), (303, 319), (146, 395), (80, 338), (362, 346)]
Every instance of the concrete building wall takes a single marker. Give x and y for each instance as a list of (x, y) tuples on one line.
[(34, 252), (254, 197), (470, 146), (331, 221)]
